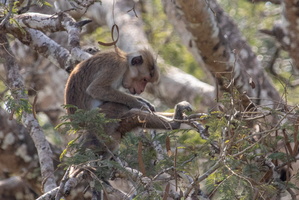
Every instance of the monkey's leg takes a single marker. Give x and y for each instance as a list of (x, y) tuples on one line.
[(129, 120), (180, 108), (138, 118)]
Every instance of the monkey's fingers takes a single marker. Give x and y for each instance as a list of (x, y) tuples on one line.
[(184, 106), (151, 107), (148, 108)]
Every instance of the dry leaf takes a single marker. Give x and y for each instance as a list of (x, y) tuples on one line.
[(167, 144), (140, 160), (251, 83), (166, 191)]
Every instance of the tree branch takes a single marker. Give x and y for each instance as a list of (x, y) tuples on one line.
[(30, 29), (15, 83)]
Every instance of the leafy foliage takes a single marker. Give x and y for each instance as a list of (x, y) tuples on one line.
[(167, 43), (17, 107), (92, 120), (246, 14), (248, 159), (240, 168)]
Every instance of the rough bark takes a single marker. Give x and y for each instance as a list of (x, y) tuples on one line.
[(210, 34), (290, 25), (285, 31), (30, 29), (15, 83), (62, 49)]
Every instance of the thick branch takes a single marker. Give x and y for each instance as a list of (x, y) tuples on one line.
[(42, 44), (212, 36), (30, 29), (15, 83), (290, 27)]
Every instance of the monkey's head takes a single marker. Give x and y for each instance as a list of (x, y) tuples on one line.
[(142, 70)]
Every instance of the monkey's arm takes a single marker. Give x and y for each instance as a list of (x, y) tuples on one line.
[(139, 118), (150, 106), (129, 119), (108, 94)]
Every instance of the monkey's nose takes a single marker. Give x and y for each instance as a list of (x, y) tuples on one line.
[(133, 91), (139, 91)]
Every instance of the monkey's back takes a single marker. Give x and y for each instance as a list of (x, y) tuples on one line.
[(98, 67)]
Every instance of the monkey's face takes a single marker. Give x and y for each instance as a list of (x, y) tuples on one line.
[(136, 85), (141, 70)]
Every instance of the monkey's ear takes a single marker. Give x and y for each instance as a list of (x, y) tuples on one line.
[(138, 60)]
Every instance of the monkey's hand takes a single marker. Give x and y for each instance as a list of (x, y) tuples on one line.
[(147, 104), (180, 108)]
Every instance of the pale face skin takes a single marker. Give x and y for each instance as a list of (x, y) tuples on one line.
[(136, 86), (135, 80), (101, 76)]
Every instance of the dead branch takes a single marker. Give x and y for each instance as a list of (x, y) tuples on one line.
[(15, 83)]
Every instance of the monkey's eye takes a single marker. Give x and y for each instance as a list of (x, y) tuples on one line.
[(145, 80), (152, 72)]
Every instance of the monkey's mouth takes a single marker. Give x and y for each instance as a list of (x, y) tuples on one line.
[(132, 90)]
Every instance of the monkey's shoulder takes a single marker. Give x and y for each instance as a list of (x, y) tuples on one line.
[(111, 54), (103, 64)]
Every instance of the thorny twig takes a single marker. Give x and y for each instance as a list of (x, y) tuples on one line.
[(266, 135), (59, 193), (6, 18), (203, 131)]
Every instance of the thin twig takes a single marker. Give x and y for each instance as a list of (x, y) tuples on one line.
[(6, 18)]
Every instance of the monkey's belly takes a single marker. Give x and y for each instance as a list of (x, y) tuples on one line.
[(95, 104)]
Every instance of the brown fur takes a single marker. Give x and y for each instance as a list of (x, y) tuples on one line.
[(129, 119), (99, 77)]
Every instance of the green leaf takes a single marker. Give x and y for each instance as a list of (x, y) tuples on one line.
[(47, 4), (278, 155)]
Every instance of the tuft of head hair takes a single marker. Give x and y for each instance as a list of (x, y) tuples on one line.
[(152, 63)]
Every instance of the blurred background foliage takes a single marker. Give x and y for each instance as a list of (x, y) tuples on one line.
[(250, 18), (163, 38)]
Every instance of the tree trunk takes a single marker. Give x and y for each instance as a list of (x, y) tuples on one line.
[(211, 35)]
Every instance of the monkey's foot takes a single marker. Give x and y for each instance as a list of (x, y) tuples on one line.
[(183, 106), (147, 104)]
